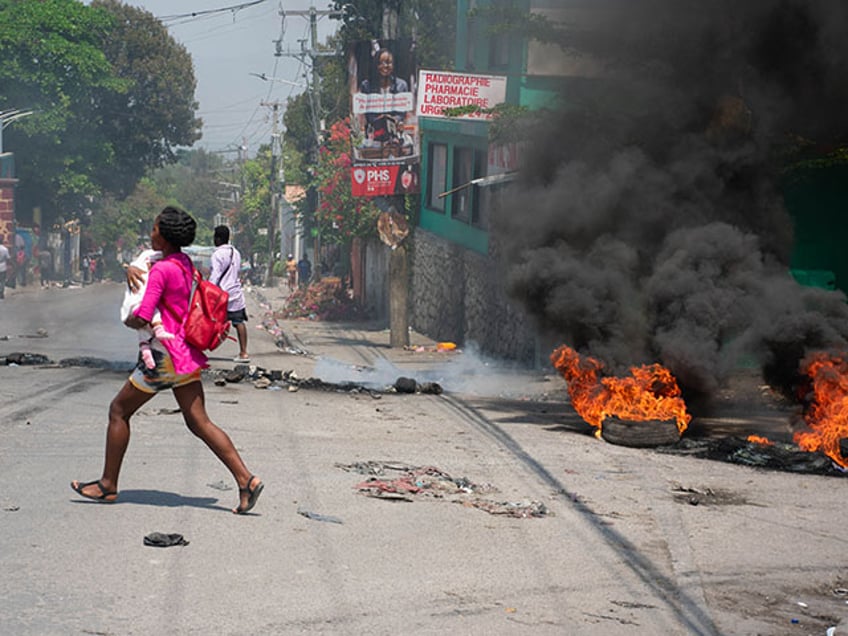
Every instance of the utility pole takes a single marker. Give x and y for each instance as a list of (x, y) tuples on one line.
[(398, 257), (276, 179), (314, 89)]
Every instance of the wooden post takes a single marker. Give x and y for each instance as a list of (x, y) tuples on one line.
[(399, 297)]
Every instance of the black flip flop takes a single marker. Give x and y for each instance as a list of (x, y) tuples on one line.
[(252, 495), (103, 492)]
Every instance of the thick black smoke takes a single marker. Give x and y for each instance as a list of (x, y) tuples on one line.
[(649, 224)]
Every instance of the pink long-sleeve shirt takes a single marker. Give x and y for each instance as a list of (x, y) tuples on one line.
[(168, 286)]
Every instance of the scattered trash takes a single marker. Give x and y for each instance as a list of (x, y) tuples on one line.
[(318, 517), (439, 347), (736, 450), (220, 485), (12, 508), (236, 375), (428, 481), (39, 333), (262, 383), (802, 604), (430, 388), (324, 301), (162, 540), (19, 358), (509, 509)]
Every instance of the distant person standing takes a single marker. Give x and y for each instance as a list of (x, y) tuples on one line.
[(304, 271), (45, 266), (226, 265), (5, 259)]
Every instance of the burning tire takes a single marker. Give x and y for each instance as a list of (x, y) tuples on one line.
[(645, 434)]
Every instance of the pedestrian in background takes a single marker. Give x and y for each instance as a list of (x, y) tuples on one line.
[(226, 265), (45, 266), (178, 366), (304, 271), (5, 260)]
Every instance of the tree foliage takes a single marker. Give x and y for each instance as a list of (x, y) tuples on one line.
[(53, 64), (156, 114), (112, 95), (341, 217), (250, 218)]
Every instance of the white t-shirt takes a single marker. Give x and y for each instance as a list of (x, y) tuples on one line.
[(4, 258)]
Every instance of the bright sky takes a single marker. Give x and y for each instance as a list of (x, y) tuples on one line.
[(230, 39)]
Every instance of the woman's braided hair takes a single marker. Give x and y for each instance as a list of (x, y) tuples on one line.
[(176, 226)]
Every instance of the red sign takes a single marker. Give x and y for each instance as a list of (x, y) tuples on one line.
[(376, 181)]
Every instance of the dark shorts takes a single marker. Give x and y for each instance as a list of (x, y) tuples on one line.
[(237, 317)]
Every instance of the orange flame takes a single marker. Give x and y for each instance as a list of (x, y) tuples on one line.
[(758, 439), (651, 393), (827, 415)]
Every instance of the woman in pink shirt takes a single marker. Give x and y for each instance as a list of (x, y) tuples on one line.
[(178, 367)]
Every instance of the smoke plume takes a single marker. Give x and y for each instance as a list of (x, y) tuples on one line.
[(648, 223)]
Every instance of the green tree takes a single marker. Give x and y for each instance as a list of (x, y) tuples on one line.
[(53, 64), (200, 183), (250, 218), (112, 95), (119, 227), (156, 114)]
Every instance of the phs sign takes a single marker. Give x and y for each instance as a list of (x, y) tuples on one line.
[(439, 90)]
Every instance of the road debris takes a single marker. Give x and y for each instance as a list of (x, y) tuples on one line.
[(164, 540), (411, 482), (318, 517)]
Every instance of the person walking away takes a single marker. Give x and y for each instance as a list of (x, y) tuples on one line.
[(291, 272), (304, 271), (226, 265), (178, 367), (5, 259)]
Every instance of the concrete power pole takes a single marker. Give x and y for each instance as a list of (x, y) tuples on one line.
[(276, 179), (314, 53)]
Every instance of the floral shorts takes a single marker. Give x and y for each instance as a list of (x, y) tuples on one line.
[(161, 377)]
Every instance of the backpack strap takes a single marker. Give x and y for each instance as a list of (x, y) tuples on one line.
[(194, 283), (232, 256)]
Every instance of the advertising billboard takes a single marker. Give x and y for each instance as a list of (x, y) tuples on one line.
[(441, 90), (384, 127)]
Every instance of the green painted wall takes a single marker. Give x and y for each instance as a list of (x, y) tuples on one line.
[(469, 134), (818, 203)]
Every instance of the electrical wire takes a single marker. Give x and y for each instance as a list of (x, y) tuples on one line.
[(207, 12)]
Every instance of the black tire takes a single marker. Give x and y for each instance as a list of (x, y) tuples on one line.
[(646, 434)]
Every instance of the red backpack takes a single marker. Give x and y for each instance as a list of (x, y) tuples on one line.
[(206, 325)]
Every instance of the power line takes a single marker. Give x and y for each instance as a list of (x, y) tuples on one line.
[(197, 14)]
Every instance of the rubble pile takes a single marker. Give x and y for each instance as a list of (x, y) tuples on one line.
[(322, 301), (402, 482)]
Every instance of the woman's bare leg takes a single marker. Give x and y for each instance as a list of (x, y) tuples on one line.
[(128, 400), (193, 406)]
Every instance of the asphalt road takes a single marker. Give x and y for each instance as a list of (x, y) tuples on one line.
[(621, 549)]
